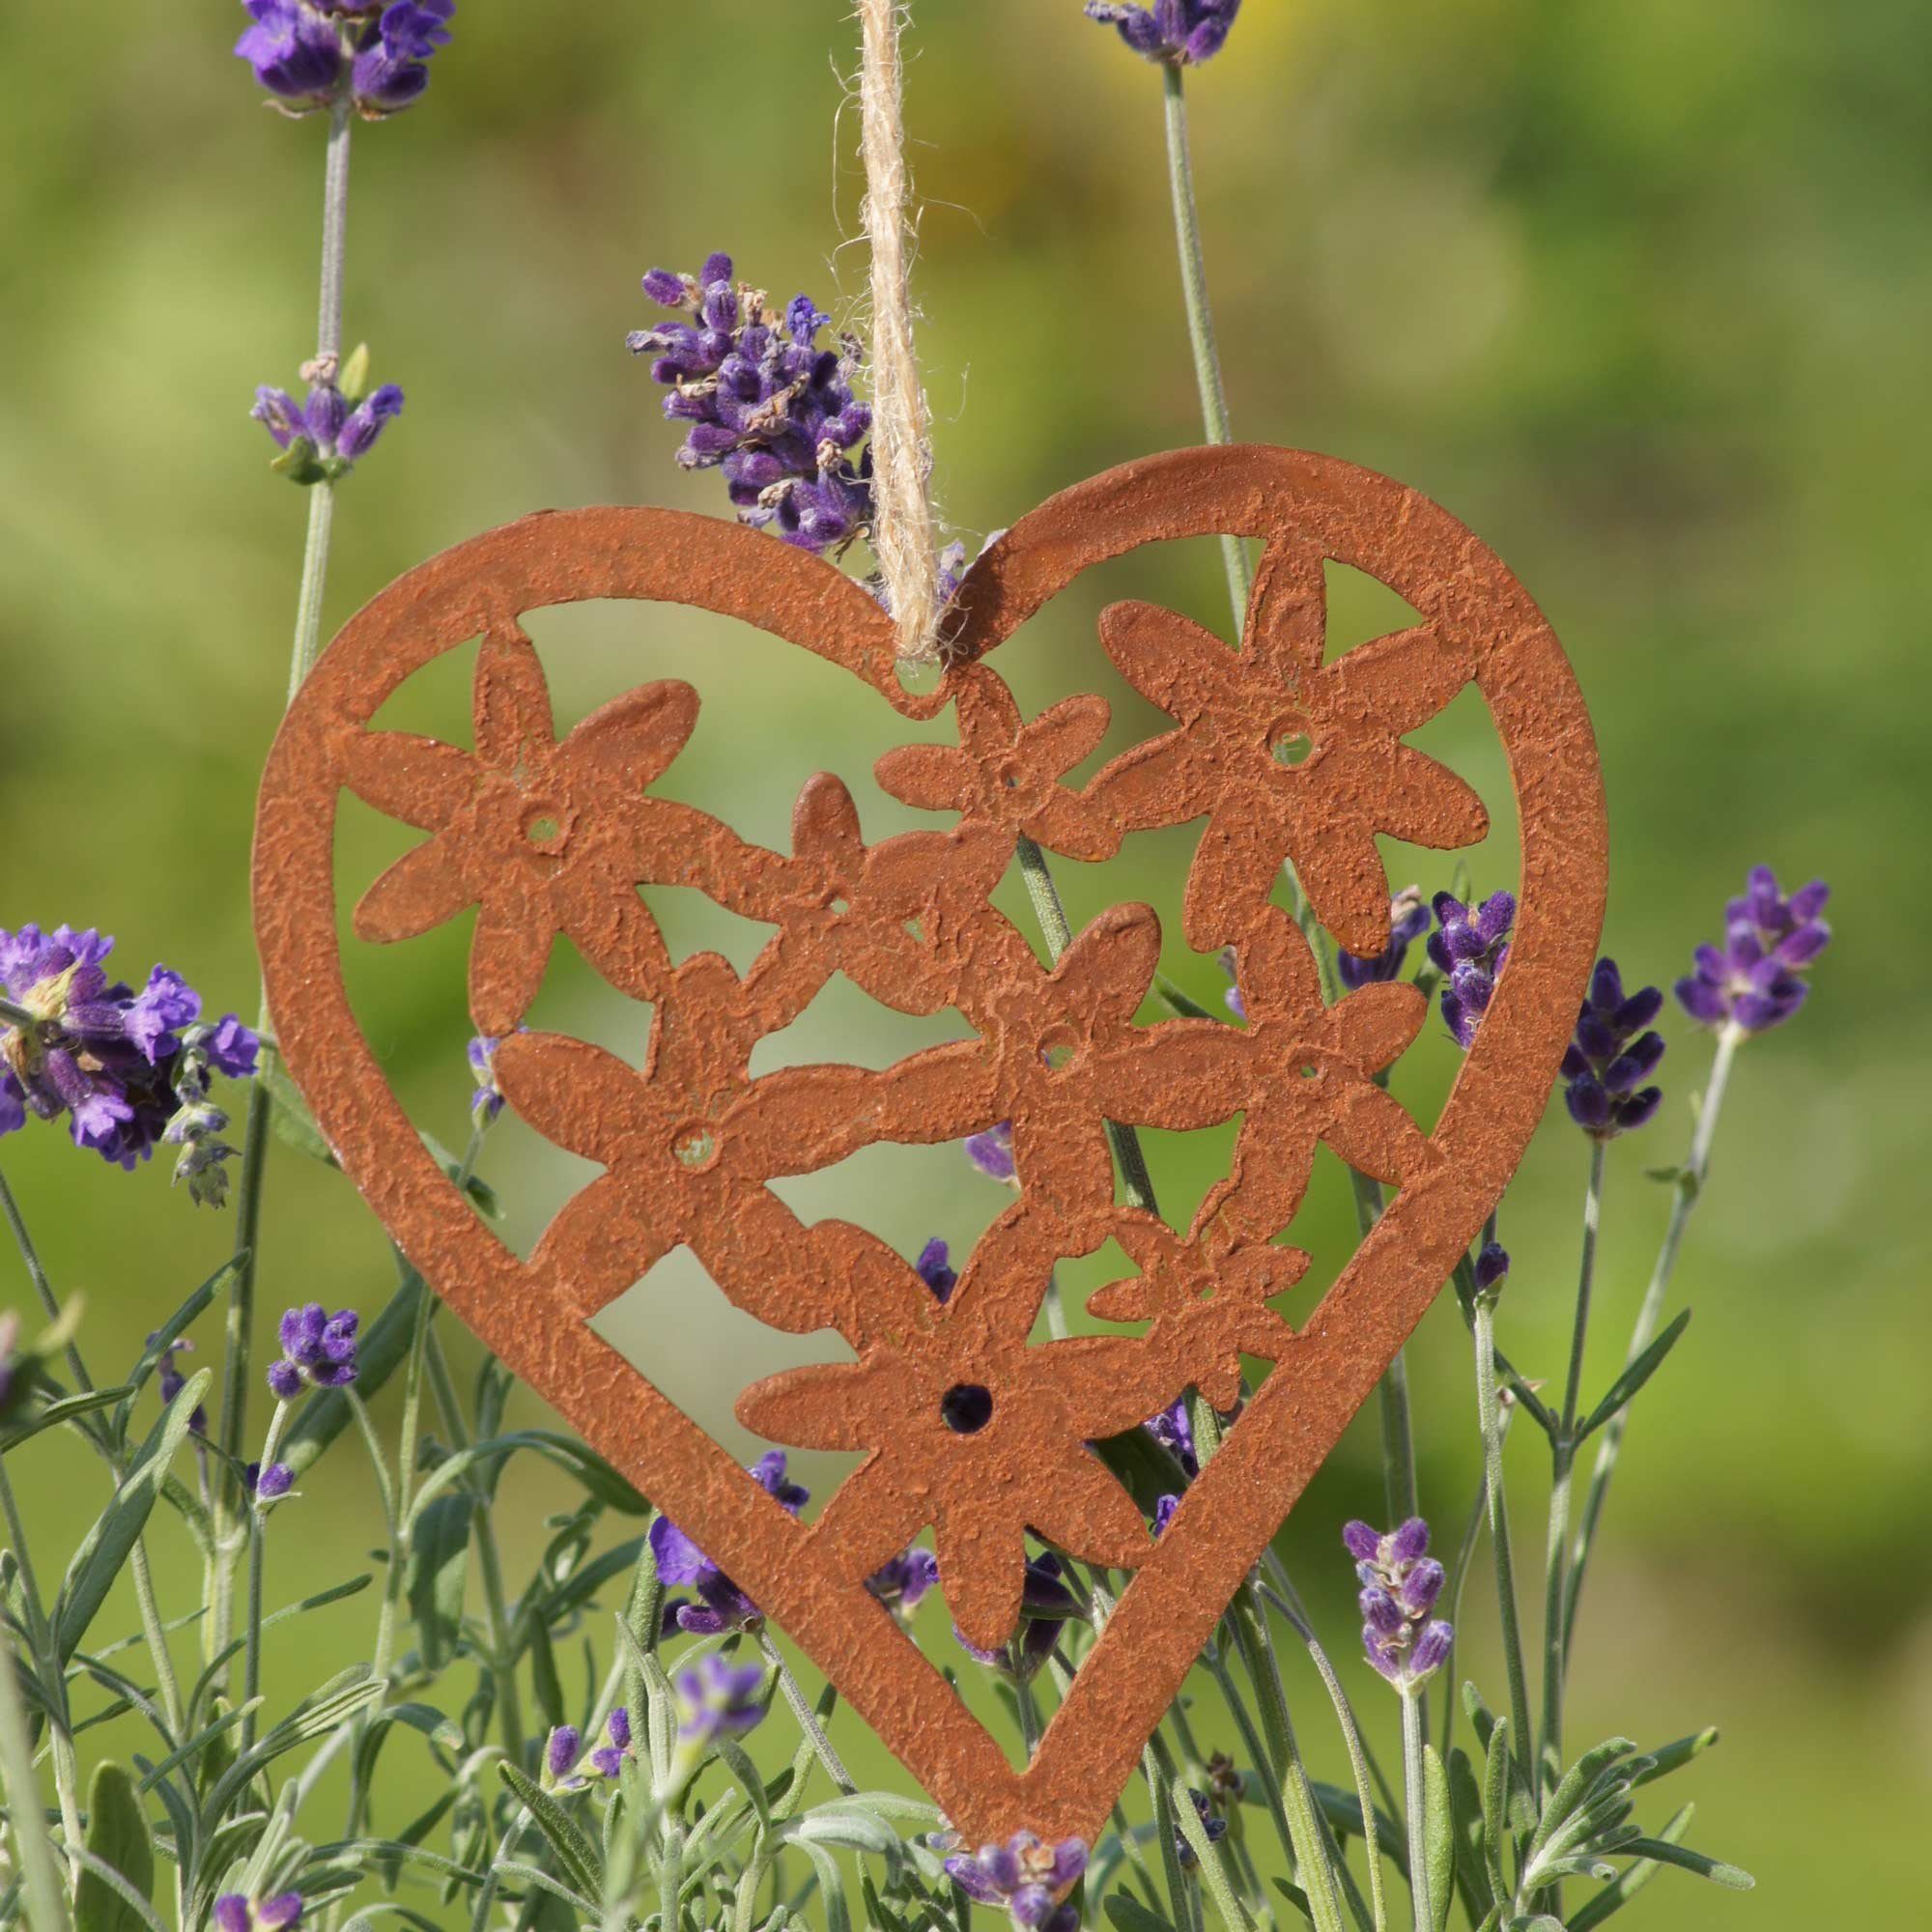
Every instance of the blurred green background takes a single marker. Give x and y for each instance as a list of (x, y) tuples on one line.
[(1637, 292)]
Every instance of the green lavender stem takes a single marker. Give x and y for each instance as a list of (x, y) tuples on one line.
[(32, 1845), (24, 1794), (251, 1666), (239, 1319), (1201, 318), (1689, 1191), (152, 1626), (490, 1564), (1562, 1460), (1412, 1804), (1489, 1412)]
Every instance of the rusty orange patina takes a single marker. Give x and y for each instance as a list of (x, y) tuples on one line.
[(1283, 754)]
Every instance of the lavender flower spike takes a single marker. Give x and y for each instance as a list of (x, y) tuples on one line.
[(992, 1152), (718, 1697), (1178, 33), (318, 1350), (1401, 1582), (1611, 1055), (1469, 948), (127, 1069), (233, 1912), (1027, 1876), (1756, 981), (721, 1605), (1408, 920), (764, 403), (324, 437)]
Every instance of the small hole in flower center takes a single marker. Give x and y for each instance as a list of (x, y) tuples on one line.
[(1311, 1073), (1058, 1047), (966, 1407), (694, 1147), (1010, 775), (1292, 746), (544, 828)]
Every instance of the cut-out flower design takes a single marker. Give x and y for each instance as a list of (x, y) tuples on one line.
[(1207, 1301), (543, 837), (1289, 758), (689, 1143), (973, 1430), (889, 915), (1006, 772), (1066, 1056), (1310, 1076)]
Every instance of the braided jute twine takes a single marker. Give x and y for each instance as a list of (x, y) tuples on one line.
[(904, 535)]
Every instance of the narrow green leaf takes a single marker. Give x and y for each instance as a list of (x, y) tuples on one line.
[(166, 1335), (294, 1123), (1495, 1806), (1295, 1895), (1635, 1377), (1733, 1878), (1633, 1880), (118, 1836), (438, 1571), (1438, 1839), (1465, 1804), (600, 1479), (1575, 1788), (1182, 1003), (567, 1838), (66, 1409), (105, 1550), (1667, 1758)]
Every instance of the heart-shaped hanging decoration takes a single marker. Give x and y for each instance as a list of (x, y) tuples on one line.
[(967, 1427)]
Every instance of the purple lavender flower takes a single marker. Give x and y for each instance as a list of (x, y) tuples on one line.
[(1611, 1055), (269, 1484), (318, 1350), (992, 1152), (322, 438), (389, 72), (1492, 1266), (305, 52), (233, 1912), (170, 1381), (1026, 1876), (1179, 33), (297, 54), (1236, 1004), (1046, 1604), (1211, 1823), (1174, 1430), (718, 1697), (765, 403), (721, 1605), (559, 1765), (1164, 1508), (487, 1102), (1408, 920), (1756, 981), (903, 1581), (1469, 948), (608, 1759), (127, 1069), (1401, 1582), (934, 1267)]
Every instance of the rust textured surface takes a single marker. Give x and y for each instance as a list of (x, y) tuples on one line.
[(1275, 752)]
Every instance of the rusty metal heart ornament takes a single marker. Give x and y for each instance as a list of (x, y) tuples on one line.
[(967, 1427)]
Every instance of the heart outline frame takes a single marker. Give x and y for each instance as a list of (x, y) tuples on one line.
[(1241, 1496)]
